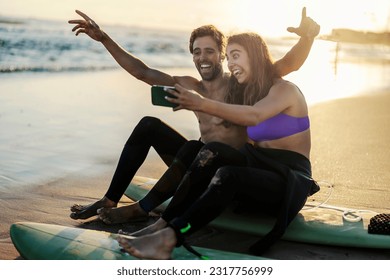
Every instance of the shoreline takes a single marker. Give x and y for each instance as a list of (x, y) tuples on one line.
[(349, 149)]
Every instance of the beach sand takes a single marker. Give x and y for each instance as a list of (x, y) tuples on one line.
[(349, 149)]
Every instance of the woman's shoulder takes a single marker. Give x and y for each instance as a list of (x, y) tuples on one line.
[(282, 86), (291, 95)]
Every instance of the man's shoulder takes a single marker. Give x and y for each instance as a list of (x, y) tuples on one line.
[(188, 82)]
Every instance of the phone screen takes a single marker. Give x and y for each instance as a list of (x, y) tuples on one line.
[(158, 96)]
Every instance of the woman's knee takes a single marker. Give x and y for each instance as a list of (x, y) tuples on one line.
[(224, 176), (223, 184)]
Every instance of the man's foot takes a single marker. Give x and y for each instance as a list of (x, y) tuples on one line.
[(87, 211), (129, 213), (157, 246)]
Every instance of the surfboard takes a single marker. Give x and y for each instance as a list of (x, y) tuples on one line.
[(38, 241), (325, 225)]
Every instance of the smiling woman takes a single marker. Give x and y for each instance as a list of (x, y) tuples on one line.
[(238, 62)]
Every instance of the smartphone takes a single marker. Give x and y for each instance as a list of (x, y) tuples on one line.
[(158, 96)]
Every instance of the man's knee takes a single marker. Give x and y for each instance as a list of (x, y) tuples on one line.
[(148, 123), (188, 152), (144, 129)]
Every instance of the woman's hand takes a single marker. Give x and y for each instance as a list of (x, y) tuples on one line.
[(307, 28), (185, 98), (87, 26)]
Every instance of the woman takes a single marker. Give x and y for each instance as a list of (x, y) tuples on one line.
[(276, 177)]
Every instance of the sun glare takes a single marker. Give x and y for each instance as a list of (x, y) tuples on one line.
[(266, 17), (272, 19)]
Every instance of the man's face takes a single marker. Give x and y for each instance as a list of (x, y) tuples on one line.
[(207, 58)]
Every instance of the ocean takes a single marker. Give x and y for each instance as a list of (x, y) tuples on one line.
[(32, 45), (48, 46), (59, 114)]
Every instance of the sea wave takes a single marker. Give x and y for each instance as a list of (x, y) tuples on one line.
[(53, 69), (32, 45), (48, 46)]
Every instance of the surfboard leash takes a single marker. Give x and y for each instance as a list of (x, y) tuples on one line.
[(350, 215), (180, 231), (193, 251)]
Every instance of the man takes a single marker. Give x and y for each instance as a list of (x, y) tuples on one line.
[(207, 45)]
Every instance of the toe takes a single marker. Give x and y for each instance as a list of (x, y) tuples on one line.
[(74, 216)]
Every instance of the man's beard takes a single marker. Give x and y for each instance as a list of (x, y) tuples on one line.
[(211, 75)]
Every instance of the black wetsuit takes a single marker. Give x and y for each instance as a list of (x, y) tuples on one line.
[(274, 181), (204, 178), (149, 132)]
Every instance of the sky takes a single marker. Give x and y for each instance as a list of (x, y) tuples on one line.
[(264, 16)]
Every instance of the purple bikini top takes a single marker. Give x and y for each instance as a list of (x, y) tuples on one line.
[(277, 127)]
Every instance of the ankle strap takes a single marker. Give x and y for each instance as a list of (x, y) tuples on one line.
[(182, 242)]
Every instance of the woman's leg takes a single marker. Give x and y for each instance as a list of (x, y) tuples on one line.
[(195, 181), (256, 188), (228, 182), (211, 157), (150, 132)]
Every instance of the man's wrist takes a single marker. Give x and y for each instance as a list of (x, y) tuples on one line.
[(104, 37)]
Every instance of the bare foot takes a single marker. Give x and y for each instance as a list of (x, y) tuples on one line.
[(157, 246), (158, 225), (87, 211), (129, 213)]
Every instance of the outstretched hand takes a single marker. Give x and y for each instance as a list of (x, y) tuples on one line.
[(87, 26), (307, 27)]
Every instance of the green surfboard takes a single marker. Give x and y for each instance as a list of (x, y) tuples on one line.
[(323, 226), (37, 241)]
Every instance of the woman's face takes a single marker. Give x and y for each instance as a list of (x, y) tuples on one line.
[(238, 62)]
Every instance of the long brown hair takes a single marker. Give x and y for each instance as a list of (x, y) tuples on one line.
[(261, 65)]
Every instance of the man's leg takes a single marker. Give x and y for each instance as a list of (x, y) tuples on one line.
[(150, 132), (164, 188)]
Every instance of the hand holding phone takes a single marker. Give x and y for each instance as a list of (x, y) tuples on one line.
[(158, 96)]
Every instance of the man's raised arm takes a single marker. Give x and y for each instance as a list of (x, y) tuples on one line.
[(125, 59)]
